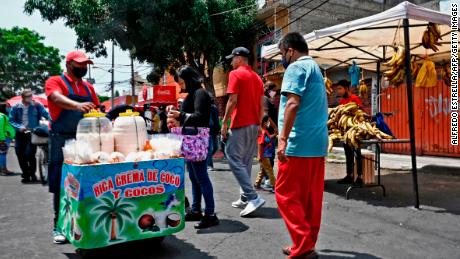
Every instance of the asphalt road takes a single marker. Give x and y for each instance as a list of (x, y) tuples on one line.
[(366, 226)]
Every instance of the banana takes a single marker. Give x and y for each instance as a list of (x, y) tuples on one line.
[(392, 61)]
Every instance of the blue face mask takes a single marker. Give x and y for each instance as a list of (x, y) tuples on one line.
[(285, 62)]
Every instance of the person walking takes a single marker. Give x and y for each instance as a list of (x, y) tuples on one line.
[(266, 153), (302, 146), (7, 133), (24, 117), (343, 90), (195, 112), (69, 97), (245, 107)]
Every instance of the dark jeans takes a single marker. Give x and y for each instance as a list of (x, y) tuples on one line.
[(25, 152), (201, 187), (350, 153), (213, 147), (56, 160)]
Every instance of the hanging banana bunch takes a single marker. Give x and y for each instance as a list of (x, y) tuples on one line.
[(328, 84), (431, 37), (362, 87), (446, 74), (351, 124), (397, 72), (414, 67), (427, 76)]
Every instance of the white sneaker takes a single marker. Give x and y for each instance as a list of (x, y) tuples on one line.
[(58, 238), (252, 206), (239, 204), (267, 187)]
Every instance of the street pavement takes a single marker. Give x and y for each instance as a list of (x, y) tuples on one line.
[(366, 226)]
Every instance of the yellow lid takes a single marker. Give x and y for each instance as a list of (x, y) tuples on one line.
[(128, 113), (94, 113)]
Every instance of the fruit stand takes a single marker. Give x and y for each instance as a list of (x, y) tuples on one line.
[(388, 41), (107, 204)]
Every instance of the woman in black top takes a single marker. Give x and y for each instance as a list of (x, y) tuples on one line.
[(195, 112)]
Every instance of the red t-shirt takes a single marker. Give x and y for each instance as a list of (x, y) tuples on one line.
[(56, 84), (249, 87), (352, 98)]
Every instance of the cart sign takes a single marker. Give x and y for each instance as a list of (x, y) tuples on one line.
[(164, 94), (107, 204)]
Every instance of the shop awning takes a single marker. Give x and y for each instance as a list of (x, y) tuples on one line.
[(370, 39)]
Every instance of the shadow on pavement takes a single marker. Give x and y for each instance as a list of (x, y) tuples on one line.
[(172, 247), (226, 226), (266, 213), (440, 192), (332, 254)]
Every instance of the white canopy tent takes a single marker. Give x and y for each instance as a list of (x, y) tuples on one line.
[(369, 41)]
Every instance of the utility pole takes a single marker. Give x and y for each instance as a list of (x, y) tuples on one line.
[(112, 84), (133, 84)]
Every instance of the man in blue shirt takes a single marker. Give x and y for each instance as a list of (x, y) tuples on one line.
[(24, 117), (302, 146)]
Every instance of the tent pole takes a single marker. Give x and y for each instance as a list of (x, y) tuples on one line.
[(410, 104), (377, 94)]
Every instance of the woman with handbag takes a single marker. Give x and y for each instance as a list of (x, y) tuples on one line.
[(194, 115), (7, 133)]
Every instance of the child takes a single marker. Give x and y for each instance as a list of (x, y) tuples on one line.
[(266, 144)]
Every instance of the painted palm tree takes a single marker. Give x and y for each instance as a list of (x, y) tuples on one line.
[(66, 210), (112, 213)]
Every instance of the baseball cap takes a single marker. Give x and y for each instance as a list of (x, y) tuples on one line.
[(240, 51), (78, 56)]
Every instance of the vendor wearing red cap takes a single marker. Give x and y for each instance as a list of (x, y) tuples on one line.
[(69, 97)]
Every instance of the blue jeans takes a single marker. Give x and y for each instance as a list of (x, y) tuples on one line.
[(3, 156), (213, 146), (201, 187)]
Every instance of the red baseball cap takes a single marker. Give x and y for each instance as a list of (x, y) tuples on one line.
[(78, 56)]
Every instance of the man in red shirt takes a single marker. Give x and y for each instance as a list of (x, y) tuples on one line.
[(245, 107), (343, 90), (69, 97)]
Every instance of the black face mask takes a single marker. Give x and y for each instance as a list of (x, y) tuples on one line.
[(79, 72)]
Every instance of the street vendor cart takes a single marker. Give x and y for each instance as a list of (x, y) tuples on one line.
[(107, 204)]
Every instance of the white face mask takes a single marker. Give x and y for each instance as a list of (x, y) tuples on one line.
[(272, 94)]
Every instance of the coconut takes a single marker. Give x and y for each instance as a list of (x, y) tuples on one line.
[(173, 220)]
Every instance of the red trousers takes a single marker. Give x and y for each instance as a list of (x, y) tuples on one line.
[(299, 194)]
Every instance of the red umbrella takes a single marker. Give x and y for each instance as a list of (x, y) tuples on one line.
[(13, 101)]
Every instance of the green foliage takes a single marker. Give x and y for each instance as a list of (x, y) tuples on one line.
[(103, 98), (117, 93), (25, 62), (167, 33)]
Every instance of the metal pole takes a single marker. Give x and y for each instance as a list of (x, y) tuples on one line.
[(377, 99), (133, 90), (410, 104), (112, 84)]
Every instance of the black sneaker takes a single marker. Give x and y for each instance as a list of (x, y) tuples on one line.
[(359, 181), (34, 179), (193, 216), (207, 221), (347, 180)]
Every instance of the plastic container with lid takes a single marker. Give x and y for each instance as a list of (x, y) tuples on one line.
[(96, 130), (130, 132)]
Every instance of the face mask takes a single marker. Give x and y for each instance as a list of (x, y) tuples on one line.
[(272, 94), (285, 62), (79, 72)]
